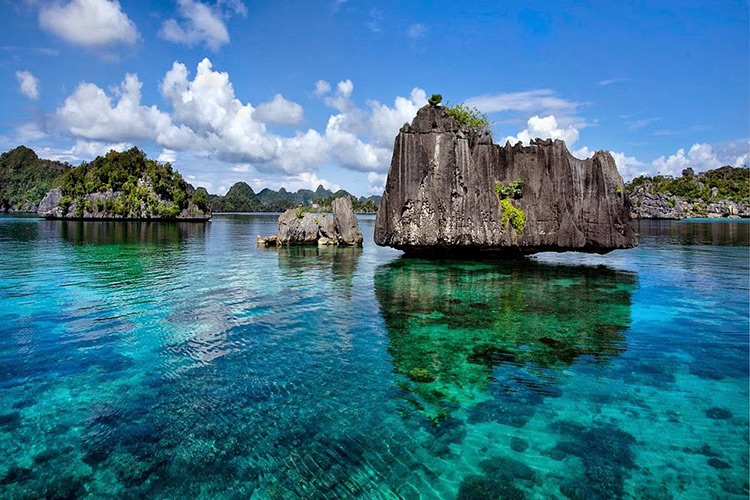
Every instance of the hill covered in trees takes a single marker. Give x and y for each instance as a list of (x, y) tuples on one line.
[(131, 185), (124, 185), (242, 198), (25, 179), (722, 192)]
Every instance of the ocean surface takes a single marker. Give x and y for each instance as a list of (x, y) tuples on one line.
[(178, 360)]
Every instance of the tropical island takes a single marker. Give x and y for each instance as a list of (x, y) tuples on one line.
[(124, 185), (722, 192)]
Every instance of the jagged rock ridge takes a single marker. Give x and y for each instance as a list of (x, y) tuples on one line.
[(440, 195)]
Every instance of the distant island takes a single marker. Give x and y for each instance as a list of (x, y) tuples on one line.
[(722, 192), (242, 198), (25, 179), (124, 185)]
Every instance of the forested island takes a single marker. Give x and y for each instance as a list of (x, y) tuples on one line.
[(25, 179), (125, 185), (722, 192)]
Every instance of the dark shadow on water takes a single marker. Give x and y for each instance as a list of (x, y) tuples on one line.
[(461, 332)]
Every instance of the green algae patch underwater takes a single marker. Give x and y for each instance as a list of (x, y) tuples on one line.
[(451, 323)]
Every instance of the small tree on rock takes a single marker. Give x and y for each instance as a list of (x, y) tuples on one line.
[(435, 100)]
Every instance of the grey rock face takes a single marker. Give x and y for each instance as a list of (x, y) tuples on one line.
[(649, 205), (310, 229), (297, 230), (345, 223), (440, 194), (50, 204)]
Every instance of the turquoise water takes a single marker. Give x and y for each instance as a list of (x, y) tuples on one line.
[(180, 361)]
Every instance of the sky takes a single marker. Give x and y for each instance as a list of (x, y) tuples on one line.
[(302, 93)]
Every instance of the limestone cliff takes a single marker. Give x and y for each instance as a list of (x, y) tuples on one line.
[(450, 189)]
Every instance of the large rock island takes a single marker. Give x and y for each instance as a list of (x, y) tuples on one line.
[(124, 185), (451, 189)]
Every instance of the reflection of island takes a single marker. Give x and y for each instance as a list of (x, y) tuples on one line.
[(450, 323), (118, 232), (341, 261)]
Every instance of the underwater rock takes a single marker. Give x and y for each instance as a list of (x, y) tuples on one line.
[(441, 194), (506, 468), (718, 413), (518, 445), (606, 455), (484, 488), (718, 464)]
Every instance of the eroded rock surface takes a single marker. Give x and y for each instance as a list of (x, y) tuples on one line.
[(440, 195), (299, 228)]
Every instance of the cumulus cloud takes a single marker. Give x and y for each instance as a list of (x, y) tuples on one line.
[(90, 113), (206, 118), (201, 23), (280, 111), (89, 23), (376, 183), (700, 157), (28, 84), (545, 128), (379, 124)]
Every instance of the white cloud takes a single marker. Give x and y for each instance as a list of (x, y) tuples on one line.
[(700, 157), (417, 31), (628, 166), (91, 114), (545, 128), (539, 102), (376, 183), (200, 23), (82, 151), (28, 84), (206, 121), (90, 23), (167, 156), (322, 87), (280, 111), (613, 80)]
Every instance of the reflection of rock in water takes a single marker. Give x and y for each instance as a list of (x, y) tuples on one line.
[(341, 261), (450, 324), (109, 232)]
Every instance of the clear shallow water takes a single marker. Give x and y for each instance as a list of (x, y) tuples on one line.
[(180, 361)]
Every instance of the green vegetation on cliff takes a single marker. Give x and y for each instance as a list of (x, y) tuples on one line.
[(131, 186), (25, 179), (725, 183), (471, 117)]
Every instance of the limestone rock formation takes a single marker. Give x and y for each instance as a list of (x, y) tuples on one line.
[(450, 189), (300, 228), (345, 225)]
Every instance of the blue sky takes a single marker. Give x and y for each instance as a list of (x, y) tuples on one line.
[(299, 93)]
